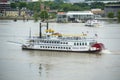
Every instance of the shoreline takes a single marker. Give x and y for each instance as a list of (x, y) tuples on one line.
[(50, 20), (12, 18)]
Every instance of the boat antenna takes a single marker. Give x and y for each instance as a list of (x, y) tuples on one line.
[(40, 33)]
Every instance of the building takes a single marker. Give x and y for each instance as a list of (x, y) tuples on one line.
[(4, 6), (12, 13), (104, 1), (114, 8), (61, 17), (74, 16), (89, 1), (98, 12)]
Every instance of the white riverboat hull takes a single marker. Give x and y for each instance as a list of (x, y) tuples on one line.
[(92, 50)]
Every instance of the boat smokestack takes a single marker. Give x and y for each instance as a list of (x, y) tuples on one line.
[(47, 26), (40, 33)]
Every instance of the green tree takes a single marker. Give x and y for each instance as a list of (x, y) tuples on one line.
[(44, 15), (22, 4), (65, 7), (118, 16), (97, 5), (36, 16), (110, 15), (13, 5), (58, 1)]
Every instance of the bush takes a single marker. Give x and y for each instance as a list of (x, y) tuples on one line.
[(110, 15), (118, 16)]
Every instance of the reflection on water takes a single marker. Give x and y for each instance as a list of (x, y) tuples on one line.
[(18, 64), (57, 65)]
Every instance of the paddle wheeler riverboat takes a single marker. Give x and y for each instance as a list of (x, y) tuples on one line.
[(52, 41)]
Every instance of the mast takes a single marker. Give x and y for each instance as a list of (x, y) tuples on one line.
[(40, 33), (47, 26)]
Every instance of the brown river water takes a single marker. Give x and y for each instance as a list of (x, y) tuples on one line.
[(18, 64)]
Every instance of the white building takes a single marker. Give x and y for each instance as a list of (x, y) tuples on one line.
[(74, 16)]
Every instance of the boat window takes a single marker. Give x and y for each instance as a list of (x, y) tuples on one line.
[(77, 44), (82, 43), (85, 43), (74, 43), (69, 48)]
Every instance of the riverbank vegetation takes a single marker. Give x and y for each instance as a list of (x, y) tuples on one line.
[(58, 6), (118, 16), (110, 15)]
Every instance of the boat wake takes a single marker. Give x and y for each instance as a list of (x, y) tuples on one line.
[(106, 52)]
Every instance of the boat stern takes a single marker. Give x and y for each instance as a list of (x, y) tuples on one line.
[(98, 46)]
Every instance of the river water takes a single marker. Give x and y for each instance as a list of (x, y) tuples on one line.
[(18, 64)]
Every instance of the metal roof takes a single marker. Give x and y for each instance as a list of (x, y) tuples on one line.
[(80, 13)]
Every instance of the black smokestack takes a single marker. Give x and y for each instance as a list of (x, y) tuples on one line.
[(40, 33), (47, 26)]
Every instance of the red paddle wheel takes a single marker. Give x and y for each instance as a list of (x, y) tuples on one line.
[(98, 46)]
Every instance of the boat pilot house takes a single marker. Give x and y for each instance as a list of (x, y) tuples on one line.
[(74, 16)]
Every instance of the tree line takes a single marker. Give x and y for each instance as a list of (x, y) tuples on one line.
[(58, 6)]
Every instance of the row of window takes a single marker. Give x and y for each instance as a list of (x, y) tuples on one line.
[(53, 42), (81, 44), (58, 42), (56, 47)]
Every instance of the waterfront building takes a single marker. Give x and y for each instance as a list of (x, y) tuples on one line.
[(104, 1), (89, 1), (114, 8), (61, 17), (12, 13), (4, 6), (74, 16), (97, 12)]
